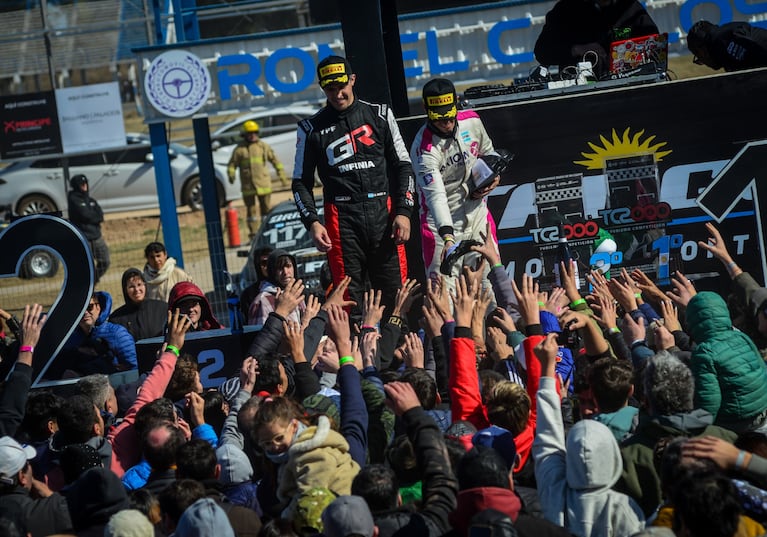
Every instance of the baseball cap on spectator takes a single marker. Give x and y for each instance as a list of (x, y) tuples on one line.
[(129, 523), (13, 458), (204, 519), (334, 70), (235, 465), (500, 440), (348, 515), (440, 99)]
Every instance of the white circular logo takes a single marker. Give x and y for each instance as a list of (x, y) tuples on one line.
[(177, 83)]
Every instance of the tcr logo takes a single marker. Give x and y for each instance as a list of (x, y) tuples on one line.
[(639, 213), (346, 146), (579, 230)]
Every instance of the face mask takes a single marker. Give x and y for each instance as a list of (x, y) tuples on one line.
[(277, 458)]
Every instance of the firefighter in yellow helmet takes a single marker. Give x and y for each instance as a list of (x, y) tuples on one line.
[(250, 156)]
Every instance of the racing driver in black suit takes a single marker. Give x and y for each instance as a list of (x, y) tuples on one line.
[(367, 179)]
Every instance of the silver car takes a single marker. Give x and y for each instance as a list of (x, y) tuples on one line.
[(277, 127), (120, 179)]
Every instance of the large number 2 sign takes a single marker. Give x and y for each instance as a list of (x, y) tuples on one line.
[(58, 236)]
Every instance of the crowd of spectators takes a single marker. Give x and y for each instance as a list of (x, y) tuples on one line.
[(487, 419)]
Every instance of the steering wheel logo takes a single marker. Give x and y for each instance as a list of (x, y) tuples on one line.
[(177, 83)]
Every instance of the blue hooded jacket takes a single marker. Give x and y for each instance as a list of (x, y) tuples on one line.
[(120, 342)]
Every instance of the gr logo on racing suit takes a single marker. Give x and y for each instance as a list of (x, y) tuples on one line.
[(346, 146)]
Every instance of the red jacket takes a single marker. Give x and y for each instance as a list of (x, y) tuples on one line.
[(465, 397)]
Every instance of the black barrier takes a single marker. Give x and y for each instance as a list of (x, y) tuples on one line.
[(219, 353)]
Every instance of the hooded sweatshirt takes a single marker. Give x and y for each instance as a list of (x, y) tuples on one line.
[(204, 519), (266, 300), (575, 479), (143, 319), (184, 290), (121, 346)]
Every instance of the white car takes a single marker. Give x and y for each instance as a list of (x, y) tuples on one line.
[(277, 127), (120, 179)]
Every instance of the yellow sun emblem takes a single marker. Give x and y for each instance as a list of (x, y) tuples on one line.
[(624, 146)]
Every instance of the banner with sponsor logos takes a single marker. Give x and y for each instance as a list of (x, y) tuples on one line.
[(30, 125), (631, 176)]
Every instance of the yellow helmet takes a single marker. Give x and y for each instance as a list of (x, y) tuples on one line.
[(249, 126)]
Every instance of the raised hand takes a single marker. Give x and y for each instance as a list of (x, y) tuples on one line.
[(464, 300), (413, 351), (546, 351), (312, 309), (405, 297), (432, 321), (196, 405), (289, 298), (623, 293), (401, 397), (373, 309), (248, 374), (487, 248), (505, 321), (339, 331), (556, 301), (683, 291), (474, 276), (337, 296), (496, 339), (369, 347), (294, 336), (567, 270), (715, 244), (527, 299), (664, 339), (607, 317), (633, 330), (437, 293), (178, 325), (32, 324), (647, 286), (670, 315)]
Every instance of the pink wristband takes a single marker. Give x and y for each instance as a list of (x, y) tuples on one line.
[(26, 348)]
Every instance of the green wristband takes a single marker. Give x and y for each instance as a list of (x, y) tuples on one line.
[(578, 302), (343, 360), (498, 265), (172, 348)]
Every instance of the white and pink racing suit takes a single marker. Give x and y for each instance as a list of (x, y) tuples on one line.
[(443, 182)]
